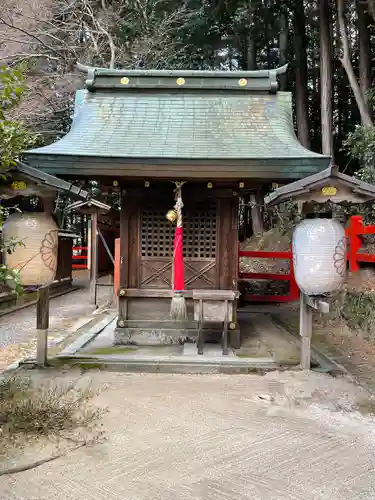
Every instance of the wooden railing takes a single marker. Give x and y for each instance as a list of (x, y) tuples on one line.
[(293, 287), (79, 257), (354, 230)]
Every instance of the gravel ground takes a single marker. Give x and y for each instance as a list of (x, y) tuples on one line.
[(284, 436), (18, 329)]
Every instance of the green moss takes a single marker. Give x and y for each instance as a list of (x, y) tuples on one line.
[(90, 366), (252, 355), (112, 350)]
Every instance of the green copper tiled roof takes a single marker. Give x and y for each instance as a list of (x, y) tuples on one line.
[(164, 122), (173, 125)]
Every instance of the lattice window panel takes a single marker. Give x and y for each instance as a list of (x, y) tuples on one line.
[(200, 232)]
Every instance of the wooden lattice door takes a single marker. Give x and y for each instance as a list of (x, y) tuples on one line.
[(200, 247)]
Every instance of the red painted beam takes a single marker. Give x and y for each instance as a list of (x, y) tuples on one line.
[(265, 255), (365, 257)]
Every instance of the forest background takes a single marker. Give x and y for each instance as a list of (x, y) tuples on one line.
[(328, 45)]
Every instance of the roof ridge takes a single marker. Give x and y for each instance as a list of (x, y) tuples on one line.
[(105, 78)]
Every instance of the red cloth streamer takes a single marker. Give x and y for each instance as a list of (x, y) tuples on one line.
[(178, 262)]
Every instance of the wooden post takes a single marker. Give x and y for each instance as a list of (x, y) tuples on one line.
[(124, 256), (256, 202), (42, 325), (89, 239), (307, 304), (305, 330), (94, 257)]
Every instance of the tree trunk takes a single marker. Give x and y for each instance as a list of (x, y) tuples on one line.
[(250, 53), (250, 47), (302, 110), (347, 65), (283, 47), (326, 79), (364, 48), (371, 8)]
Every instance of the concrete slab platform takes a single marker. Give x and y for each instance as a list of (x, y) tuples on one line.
[(209, 351)]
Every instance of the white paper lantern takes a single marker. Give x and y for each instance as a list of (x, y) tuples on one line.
[(36, 259), (319, 256)]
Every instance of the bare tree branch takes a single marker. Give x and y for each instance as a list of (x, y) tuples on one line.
[(20, 57), (348, 67), (31, 35)]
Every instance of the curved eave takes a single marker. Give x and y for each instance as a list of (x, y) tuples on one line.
[(159, 168)]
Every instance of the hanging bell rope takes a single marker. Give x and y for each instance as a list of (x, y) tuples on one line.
[(178, 305)]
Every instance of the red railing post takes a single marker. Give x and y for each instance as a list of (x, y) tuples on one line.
[(353, 230)]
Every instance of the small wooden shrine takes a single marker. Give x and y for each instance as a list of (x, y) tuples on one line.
[(224, 134)]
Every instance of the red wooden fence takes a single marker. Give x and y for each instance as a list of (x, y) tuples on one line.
[(293, 287), (354, 230), (79, 257)]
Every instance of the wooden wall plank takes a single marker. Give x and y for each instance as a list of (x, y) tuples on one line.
[(228, 247), (124, 239)]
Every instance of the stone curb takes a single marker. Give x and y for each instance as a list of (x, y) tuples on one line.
[(170, 364), (86, 337), (182, 365), (177, 359)]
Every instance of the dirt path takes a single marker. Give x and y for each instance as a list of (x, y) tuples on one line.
[(18, 329), (284, 436)]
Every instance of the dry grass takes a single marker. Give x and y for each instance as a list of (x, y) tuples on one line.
[(359, 312), (55, 409)]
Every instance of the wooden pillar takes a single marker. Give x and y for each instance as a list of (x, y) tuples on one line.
[(256, 203), (42, 325), (305, 330), (227, 258), (124, 257), (42, 306), (94, 257), (307, 305), (89, 245), (48, 205)]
